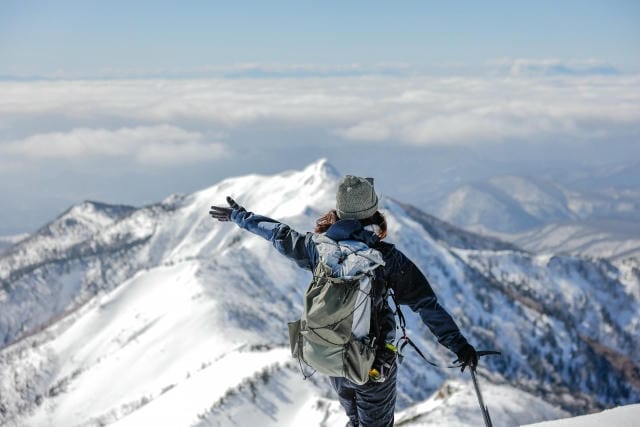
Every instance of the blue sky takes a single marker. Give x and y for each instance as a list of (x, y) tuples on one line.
[(89, 38)]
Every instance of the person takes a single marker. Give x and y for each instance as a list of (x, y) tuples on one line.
[(356, 217)]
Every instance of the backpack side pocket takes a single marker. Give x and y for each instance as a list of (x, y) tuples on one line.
[(295, 338)]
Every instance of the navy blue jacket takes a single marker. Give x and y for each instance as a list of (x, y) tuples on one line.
[(409, 285)]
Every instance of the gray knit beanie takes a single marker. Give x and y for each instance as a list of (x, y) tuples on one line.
[(356, 198)]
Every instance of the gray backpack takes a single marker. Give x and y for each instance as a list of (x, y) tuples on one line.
[(333, 335)]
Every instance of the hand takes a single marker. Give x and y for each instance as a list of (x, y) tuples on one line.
[(223, 213), (468, 357)]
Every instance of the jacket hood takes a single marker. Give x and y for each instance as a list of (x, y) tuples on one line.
[(351, 229)]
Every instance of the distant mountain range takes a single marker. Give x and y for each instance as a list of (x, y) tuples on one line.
[(159, 316), (541, 216)]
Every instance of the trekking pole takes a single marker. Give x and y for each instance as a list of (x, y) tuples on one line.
[(483, 407)]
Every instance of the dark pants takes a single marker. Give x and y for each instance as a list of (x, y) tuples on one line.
[(368, 405)]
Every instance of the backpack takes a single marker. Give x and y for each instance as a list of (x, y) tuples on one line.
[(333, 335)]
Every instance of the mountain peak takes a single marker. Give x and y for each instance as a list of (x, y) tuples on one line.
[(323, 168)]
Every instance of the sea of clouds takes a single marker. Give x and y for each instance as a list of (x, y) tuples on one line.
[(151, 124)]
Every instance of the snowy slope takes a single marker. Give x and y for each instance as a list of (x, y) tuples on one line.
[(624, 416), (65, 263), (456, 405), (161, 316)]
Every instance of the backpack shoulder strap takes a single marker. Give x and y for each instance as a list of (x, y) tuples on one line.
[(404, 338)]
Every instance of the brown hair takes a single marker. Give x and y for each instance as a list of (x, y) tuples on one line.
[(327, 220)]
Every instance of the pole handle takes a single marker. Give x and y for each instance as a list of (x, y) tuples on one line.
[(482, 353)]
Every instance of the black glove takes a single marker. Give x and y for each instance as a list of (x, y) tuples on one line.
[(467, 356), (223, 213)]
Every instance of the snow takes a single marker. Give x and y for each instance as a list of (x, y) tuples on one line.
[(192, 397), (456, 405), (623, 416), (124, 333)]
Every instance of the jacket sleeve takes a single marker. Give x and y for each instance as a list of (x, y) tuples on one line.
[(412, 288), (296, 246)]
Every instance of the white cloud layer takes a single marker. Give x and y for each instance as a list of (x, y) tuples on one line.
[(135, 141), (159, 115), (150, 145)]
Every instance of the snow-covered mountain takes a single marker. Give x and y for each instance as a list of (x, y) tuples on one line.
[(160, 316), (614, 240), (8, 241), (505, 203), (542, 216)]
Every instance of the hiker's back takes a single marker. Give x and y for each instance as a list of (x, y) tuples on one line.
[(334, 335)]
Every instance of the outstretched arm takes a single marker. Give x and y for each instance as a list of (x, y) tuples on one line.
[(413, 289), (286, 240)]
